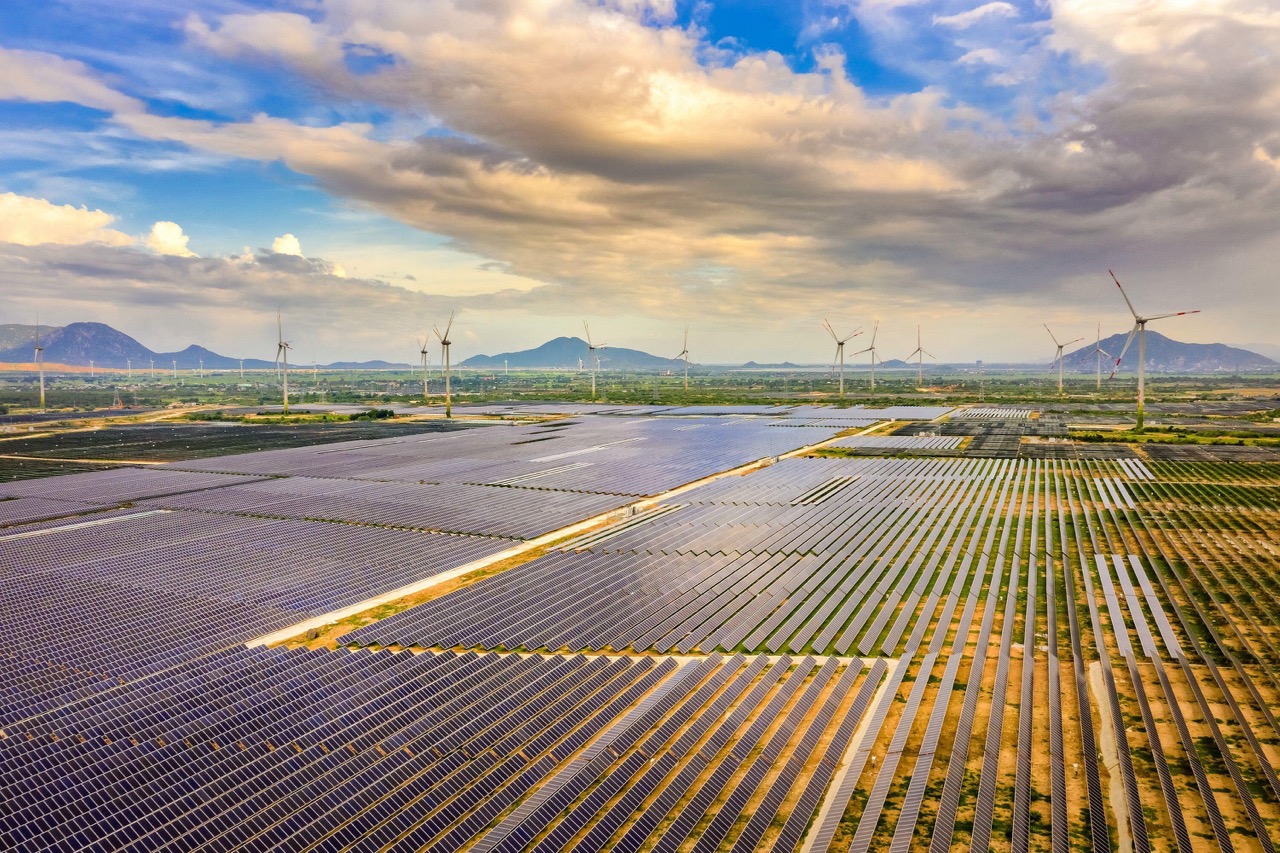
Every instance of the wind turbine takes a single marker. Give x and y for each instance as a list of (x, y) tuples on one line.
[(444, 351), (684, 354), (40, 362), (872, 349), (128, 362), (840, 342), (1099, 352), (422, 352), (175, 369), (594, 351), (282, 359), (242, 368), (921, 352), (92, 374), (1058, 356), (1140, 329), (153, 369)]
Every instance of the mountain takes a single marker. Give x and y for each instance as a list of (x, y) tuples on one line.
[(192, 357), (1166, 355), (753, 365), (564, 353), (80, 343)]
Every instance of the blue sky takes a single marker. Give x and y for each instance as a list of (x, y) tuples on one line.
[(747, 167)]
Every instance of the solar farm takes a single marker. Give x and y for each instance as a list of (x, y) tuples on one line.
[(650, 628)]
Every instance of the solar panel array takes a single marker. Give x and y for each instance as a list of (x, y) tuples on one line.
[(828, 555), (900, 442), (89, 605), (428, 749), (606, 455), (132, 716)]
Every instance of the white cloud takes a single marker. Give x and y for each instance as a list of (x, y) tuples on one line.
[(286, 244), (166, 238), (28, 75), (34, 221), (967, 19)]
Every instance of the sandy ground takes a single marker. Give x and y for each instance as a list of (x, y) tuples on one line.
[(1110, 758)]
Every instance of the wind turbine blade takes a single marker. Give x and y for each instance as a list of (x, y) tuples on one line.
[(1125, 295), (1174, 314), (874, 331), (931, 355), (826, 324), (1124, 350), (1051, 334), (1076, 341), (449, 326), (587, 329)]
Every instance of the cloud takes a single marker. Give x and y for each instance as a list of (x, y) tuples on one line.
[(647, 172), (286, 244), (964, 20), (28, 75), (35, 221), (166, 238)]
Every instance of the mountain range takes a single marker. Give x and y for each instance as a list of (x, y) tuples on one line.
[(1165, 355), (566, 353), (79, 343)]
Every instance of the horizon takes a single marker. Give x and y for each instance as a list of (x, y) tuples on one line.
[(745, 170), (851, 364)]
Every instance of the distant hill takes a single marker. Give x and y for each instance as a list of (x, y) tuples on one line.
[(1166, 355), (79, 343), (755, 365), (564, 353)]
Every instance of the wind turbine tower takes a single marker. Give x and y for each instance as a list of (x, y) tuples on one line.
[(1058, 355), (594, 352), (840, 342), (1140, 329), (872, 349), (242, 368), (444, 352), (919, 353), (422, 354), (153, 369), (1099, 352), (684, 354), (282, 360), (128, 363), (92, 374), (40, 362)]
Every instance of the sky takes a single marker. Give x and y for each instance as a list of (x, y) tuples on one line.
[(744, 168)]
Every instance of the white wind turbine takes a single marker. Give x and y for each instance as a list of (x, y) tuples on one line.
[(422, 354), (872, 349), (1099, 352), (840, 342), (40, 362), (920, 352), (444, 351), (684, 354), (1058, 355), (282, 360), (92, 372), (1140, 329), (593, 350)]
